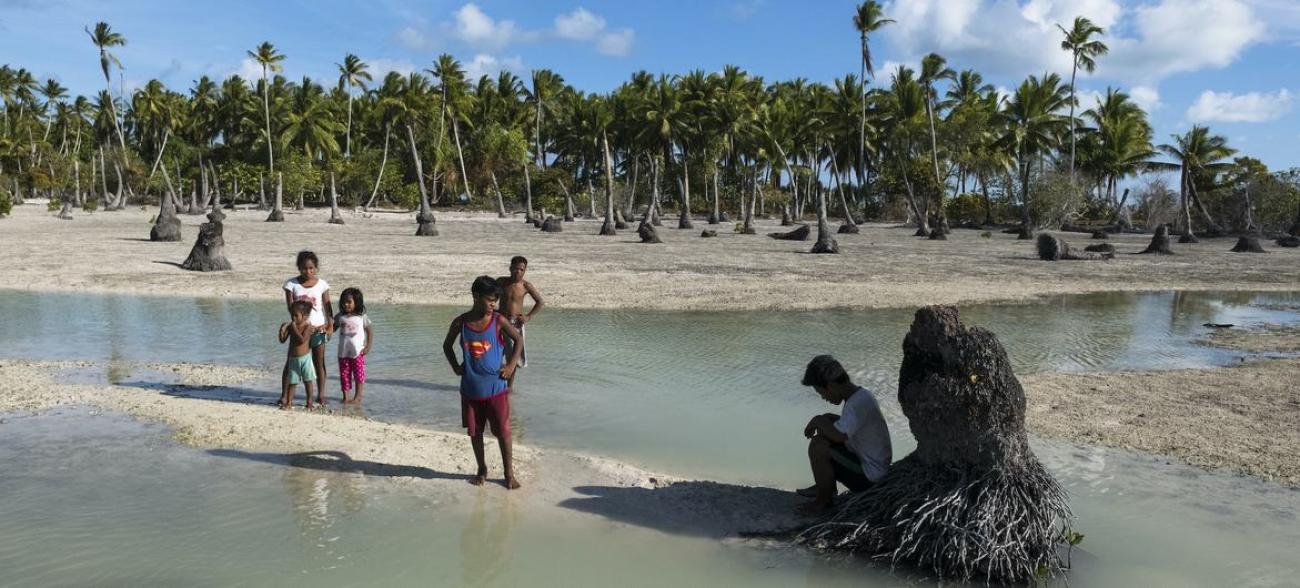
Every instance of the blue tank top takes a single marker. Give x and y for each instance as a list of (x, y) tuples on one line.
[(484, 355)]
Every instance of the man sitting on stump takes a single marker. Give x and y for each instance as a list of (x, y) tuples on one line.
[(852, 448)]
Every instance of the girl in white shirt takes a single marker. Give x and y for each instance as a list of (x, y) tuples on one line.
[(355, 338), (315, 291)]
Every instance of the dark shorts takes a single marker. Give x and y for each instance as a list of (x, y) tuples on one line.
[(848, 468), (494, 411)]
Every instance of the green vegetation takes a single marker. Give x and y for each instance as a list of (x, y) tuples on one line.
[(926, 146)]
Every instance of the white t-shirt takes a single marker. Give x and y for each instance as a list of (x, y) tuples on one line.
[(315, 295), (868, 435), (351, 333)]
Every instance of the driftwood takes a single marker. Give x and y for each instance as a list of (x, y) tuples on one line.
[(972, 502), (1159, 242), (1100, 248), (799, 234), (1053, 248), (1248, 245), (208, 254)]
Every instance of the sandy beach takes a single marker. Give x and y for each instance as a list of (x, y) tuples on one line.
[(884, 266)]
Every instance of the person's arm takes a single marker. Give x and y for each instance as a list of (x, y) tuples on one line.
[(449, 344), (823, 425), (329, 311), (509, 368), (370, 338), (303, 331), (537, 301), (288, 299), (284, 332)]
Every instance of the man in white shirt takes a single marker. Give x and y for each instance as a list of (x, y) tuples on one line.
[(851, 448)]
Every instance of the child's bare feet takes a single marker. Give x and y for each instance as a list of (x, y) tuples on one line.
[(480, 478), (815, 508), (512, 483)]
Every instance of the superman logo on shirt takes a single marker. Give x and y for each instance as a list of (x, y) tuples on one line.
[(478, 348)]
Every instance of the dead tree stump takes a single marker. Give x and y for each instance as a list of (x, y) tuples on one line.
[(826, 244), (1053, 248), (1248, 245), (1188, 237), (1288, 241), (708, 233), (1100, 248), (647, 233), (1159, 242), (786, 221), (848, 229), (938, 235), (800, 234), (167, 227), (1024, 233), (552, 225), (972, 502), (1100, 235), (426, 225), (65, 213), (277, 210), (208, 254), (723, 217)]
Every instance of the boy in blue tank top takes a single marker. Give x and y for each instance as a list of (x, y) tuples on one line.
[(485, 371)]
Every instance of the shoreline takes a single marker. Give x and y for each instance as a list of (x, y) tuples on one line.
[(882, 267)]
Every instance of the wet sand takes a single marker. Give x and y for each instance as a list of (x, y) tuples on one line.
[(443, 462), (884, 266)]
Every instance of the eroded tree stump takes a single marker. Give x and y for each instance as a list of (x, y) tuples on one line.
[(1053, 248), (1024, 233), (647, 233), (1288, 241), (799, 234), (552, 225), (972, 502), (1188, 237), (708, 233), (167, 227), (786, 221), (826, 245), (208, 254), (937, 235), (1100, 248), (1248, 245), (848, 229), (1159, 242), (1100, 235)]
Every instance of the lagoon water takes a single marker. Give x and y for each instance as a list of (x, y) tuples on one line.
[(106, 500)]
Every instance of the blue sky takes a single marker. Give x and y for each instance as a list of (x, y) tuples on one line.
[(1231, 64)]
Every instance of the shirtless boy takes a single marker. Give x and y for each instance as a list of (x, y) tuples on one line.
[(513, 289), (298, 367)]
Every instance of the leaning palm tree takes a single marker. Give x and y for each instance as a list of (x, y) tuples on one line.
[(1084, 50), (352, 72), (104, 38), (1196, 154), (269, 59), (869, 19), (934, 68), (455, 98)]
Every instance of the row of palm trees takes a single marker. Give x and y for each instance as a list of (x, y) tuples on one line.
[(903, 146)]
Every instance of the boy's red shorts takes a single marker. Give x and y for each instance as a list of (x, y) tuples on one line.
[(494, 411)]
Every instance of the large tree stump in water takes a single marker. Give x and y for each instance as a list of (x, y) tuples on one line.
[(1159, 242), (1053, 248), (167, 227), (208, 254), (800, 234), (1248, 245), (972, 502)]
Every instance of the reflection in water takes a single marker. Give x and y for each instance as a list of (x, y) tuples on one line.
[(320, 499), (485, 541)]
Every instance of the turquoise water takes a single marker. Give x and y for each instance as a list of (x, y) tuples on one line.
[(105, 500)]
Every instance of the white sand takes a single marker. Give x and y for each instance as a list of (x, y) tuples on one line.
[(883, 266)]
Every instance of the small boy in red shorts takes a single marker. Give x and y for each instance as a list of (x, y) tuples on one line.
[(485, 373)]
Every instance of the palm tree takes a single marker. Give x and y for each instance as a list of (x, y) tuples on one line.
[(455, 105), (1118, 145), (934, 68), (1033, 128), (104, 38), (869, 19), (1197, 154), (269, 59), (352, 72), (1084, 50)]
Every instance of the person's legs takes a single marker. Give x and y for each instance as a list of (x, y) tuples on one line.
[(474, 417), (359, 377), (823, 470), (848, 468), (318, 359), (286, 389), (346, 372), (499, 418)]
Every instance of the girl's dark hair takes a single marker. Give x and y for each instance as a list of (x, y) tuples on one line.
[(303, 256), (485, 285), (823, 371), (355, 293)]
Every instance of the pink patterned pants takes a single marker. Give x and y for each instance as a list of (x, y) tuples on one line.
[(351, 370)]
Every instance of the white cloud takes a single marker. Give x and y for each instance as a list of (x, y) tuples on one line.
[(1147, 97), (249, 69), (380, 67), (579, 25), (1184, 35), (1088, 98), (489, 65), (617, 43), (1250, 107), (414, 39), (477, 29)]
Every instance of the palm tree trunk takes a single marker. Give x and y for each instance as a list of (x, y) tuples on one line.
[(988, 202), (388, 131), (684, 219), (161, 150), (631, 193), (335, 217), (1073, 99), (1213, 229), (607, 227), (934, 158), (528, 193), (569, 209), (849, 226), (266, 109), (425, 217), (347, 145), (1187, 210), (825, 242), (464, 176), (862, 115), (501, 203)]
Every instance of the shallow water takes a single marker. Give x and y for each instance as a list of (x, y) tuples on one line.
[(697, 394)]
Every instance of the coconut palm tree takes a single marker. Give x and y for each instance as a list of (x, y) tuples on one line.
[(270, 60), (1033, 127), (104, 38), (1119, 143), (868, 19), (1197, 154), (455, 105), (352, 72), (934, 68), (1084, 50)]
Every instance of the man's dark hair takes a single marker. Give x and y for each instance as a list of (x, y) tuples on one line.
[(518, 259), (357, 299), (303, 256), (301, 306), (823, 371), (485, 286)]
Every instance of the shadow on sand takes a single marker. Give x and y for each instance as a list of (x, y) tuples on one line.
[(411, 383), (236, 394), (695, 508), (338, 461)]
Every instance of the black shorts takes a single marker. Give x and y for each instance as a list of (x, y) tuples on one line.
[(848, 468)]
